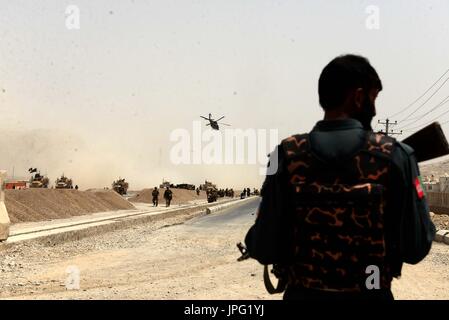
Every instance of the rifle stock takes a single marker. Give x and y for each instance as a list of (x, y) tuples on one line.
[(428, 143)]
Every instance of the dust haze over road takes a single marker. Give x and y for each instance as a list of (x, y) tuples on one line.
[(134, 71), (173, 259)]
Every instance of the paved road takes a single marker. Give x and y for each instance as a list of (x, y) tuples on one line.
[(243, 214)]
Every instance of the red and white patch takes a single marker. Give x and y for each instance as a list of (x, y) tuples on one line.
[(419, 189)]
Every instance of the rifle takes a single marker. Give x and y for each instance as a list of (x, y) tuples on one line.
[(243, 251), (428, 143), (282, 283)]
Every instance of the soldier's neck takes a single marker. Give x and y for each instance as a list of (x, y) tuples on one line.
[(335, 115)]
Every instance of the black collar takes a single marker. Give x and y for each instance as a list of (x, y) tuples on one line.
[(343, 124)]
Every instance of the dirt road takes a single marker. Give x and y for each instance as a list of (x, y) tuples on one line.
[(173, 259)]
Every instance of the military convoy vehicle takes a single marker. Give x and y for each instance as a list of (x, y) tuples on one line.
[(120, 186), (166, 184), (63, 183), (185, 186), (207, 185), (37, 180)]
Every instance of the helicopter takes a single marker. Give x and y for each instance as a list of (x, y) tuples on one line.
[(214, 123)]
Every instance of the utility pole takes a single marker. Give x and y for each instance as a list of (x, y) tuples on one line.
[(387, 124)]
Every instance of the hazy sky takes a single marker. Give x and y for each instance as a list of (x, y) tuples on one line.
[(100, 102)]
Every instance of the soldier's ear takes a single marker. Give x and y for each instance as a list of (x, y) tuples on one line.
[(358, 97)]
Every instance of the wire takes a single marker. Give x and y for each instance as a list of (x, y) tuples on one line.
[(422, 104), (420, 117), (423, 125), (416, 100)]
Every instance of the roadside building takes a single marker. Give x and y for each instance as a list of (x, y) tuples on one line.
[(444, 183), (17, 184), (431, 186)]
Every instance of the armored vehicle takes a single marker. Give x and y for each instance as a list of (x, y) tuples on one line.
[(120, 186), (63, 183), (37, 180)]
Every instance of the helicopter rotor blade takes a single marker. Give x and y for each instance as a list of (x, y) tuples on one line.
[(207, 124), (204, 118), (220, 118), (225, 124)]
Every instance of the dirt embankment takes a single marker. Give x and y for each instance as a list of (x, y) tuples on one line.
[(180, 196), (48, 204)]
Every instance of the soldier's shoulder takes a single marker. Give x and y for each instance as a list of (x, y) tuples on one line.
[(295, 143), (295, 138), (405, 148), (380, 138), (379, 144), (403, 155)]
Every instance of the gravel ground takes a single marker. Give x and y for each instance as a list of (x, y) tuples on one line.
[(441, 221), (173, 259)]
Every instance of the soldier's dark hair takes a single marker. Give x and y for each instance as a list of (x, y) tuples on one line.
[(342, 74)]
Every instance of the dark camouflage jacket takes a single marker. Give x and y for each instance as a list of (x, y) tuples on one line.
[(407, 231)]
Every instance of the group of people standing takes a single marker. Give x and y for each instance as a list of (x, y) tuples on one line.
[(245, 193), (168, 195)]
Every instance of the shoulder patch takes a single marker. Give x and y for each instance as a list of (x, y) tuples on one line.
[(418, 187)]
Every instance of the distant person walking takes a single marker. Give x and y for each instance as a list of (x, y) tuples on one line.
[(168, 194), (197, 191), (155, 195)]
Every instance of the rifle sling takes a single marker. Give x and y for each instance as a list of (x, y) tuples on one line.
[(282, 283)]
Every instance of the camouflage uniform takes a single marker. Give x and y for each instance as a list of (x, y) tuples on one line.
[(155, 195), (168, 194), (342, 199)]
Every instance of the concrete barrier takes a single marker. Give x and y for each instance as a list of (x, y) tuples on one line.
[(440, 235), (446, 238), (4, 217), (219, 207)]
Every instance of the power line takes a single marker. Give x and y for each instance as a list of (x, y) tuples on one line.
[(417, 99), (443, 123), (422, 125), (420, 117), (422, 104)]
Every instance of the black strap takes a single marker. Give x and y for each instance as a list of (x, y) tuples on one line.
[(282, 283)]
